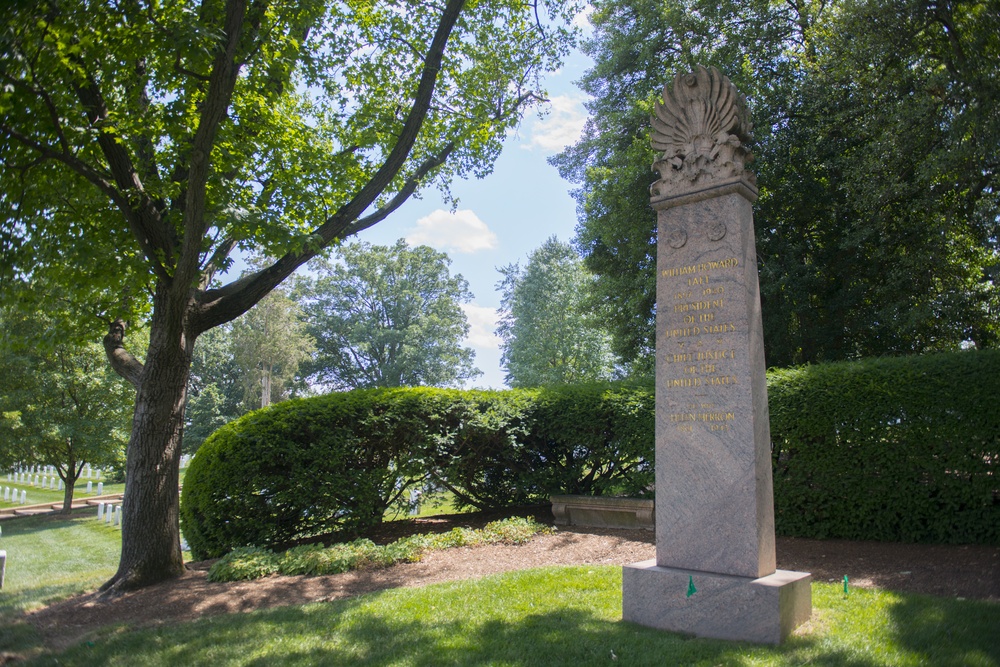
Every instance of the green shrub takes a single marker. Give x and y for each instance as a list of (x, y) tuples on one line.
[(516, 530), (244, 563), (894, 449), (883, 449), (334, 463), (594, 439), (315, 559), (330, 464), (520, 446)]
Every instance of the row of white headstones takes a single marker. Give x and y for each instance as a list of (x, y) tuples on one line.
[(10, 495), (109, 513), (26, 471), (44, 477)]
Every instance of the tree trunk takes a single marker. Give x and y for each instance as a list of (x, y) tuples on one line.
[(70, 482), (150, 531)]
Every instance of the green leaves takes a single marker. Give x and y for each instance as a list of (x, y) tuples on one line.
[(59, 404), (894, 449), (319, 101), (547, 334), (877, 221), (388, 317)]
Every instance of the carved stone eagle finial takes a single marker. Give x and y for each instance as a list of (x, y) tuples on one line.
[(701, 127)]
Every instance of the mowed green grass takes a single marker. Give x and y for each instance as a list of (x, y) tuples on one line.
[(37, 495), (549, 616), (552, 616)]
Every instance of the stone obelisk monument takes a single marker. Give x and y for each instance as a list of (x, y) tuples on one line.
[(714, 573)]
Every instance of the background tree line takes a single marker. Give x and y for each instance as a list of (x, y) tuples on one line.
[(877, 145), (366, 317)]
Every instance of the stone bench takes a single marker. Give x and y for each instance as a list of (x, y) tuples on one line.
[(599, 512)]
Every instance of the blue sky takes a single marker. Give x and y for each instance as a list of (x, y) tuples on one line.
[(503, 217)]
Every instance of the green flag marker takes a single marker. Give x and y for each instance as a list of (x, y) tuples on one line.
[(691, 589), (845, 584)]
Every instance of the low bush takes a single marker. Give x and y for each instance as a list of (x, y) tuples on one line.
[(902, 449), (520, 446), (301, 468), (315, 559), (244, 563)]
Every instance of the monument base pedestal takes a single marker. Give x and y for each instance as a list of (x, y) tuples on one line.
[(721, 606)]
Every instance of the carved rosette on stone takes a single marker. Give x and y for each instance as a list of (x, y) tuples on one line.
[(702, 128)]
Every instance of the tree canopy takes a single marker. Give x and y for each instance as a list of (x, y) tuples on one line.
[(62, 404), (547, 336), (387, 316), (144, 143), (876, 142)]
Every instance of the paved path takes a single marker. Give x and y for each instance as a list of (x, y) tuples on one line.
[(49, 508)]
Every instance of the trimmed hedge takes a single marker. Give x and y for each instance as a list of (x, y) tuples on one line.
[(892, 449), (520, 446), (301, 468), (334, 463)]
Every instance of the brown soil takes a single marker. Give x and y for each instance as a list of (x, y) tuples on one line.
[(955, 571)]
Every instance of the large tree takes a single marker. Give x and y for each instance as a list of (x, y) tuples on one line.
[(547, 335), (268, 345), (63, 405), (143, 143), (387, 316), (876, 144)]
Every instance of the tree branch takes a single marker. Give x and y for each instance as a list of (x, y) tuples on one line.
[(96, 178), (231, 301), (155, 237), (121, 359), (221, 83), (409, 187)]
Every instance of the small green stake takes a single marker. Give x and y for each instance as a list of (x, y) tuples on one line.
[(691, 589), (845, 584)]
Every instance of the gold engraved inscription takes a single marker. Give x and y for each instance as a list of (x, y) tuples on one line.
[(699, 308)]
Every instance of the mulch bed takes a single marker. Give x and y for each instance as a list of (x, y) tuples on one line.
[(954, 571)]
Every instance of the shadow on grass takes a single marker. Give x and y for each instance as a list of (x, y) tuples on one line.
[(552, 617), (349, 633), (27, 525), (948, 630)]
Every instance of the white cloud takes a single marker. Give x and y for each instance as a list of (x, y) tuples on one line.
[(561, 127), (582, 20), (461, 231), (482, 322)]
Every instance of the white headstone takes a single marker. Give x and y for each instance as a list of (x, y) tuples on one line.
[(60, 484), (118, 515), (100, 511), (24, 497), (100, 488), (35, 483), (90, 487), (108, 511), (6, 493)]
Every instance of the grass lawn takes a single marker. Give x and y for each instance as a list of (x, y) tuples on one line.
[(37, 495), (548, 616), (431, 504)]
